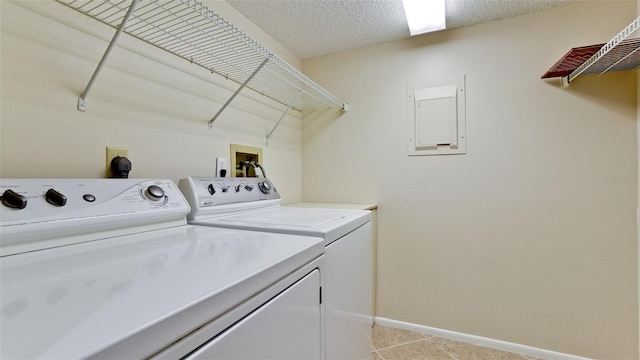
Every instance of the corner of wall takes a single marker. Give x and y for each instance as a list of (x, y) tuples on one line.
[(638, 182)]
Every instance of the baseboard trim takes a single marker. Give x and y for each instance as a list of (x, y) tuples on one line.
[(479, 340)]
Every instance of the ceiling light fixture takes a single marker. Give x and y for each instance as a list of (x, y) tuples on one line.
[(424, 15)]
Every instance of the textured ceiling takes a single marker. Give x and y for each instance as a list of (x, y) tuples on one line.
[(312, 28)]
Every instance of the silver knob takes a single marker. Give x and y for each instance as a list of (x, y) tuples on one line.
[(265, 187), (154, 193)]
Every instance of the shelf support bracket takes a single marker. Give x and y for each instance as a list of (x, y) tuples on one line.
[(282, 117), (262, 64), (82, 101)]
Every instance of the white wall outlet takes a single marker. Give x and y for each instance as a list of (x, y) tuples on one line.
[(221, 167)]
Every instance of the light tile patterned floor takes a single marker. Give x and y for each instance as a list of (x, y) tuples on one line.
[(396, 344)]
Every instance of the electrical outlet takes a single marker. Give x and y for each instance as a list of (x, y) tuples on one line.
[(113, 152), (221, 164)]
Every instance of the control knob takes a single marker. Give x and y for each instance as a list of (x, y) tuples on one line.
[(14, 200), (55, 198), (154, 193), (265, 187), (212, 189)]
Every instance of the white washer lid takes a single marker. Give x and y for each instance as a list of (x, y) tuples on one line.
[(330, 224), (288, 217), (134, 294)]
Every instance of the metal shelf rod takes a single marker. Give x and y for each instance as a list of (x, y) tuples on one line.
[(282, 117), (82, 101), (236, 93)]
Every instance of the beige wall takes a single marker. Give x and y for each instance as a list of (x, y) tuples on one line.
[(531, 236), (145, 99)]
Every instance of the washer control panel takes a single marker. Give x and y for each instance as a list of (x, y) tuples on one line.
[(213, 195), (45, 209)]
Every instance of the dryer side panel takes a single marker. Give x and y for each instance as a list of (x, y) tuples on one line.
[(286, 327)]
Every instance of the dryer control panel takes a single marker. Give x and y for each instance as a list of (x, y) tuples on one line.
[(43, 213)]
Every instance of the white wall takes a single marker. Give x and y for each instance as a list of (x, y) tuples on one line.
[(531, 236), (145, 99)]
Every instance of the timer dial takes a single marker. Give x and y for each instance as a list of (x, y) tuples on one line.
[(154, 193), (265, 187)]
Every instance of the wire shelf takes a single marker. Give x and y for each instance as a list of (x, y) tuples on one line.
[(621, 53), (190, 30)]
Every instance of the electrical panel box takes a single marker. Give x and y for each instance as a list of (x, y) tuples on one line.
[(436, 122)]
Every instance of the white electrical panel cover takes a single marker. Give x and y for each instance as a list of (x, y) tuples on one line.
[(436, 122)]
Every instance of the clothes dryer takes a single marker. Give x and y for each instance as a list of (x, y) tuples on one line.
[(109, 268)]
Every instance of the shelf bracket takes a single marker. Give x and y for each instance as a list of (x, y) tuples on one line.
[(262, 64), (266, 142), (82, 100)]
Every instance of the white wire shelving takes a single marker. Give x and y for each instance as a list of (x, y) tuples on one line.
[(620, 53), (190, 30)]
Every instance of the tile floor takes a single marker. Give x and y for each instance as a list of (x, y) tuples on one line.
[(395, 344)]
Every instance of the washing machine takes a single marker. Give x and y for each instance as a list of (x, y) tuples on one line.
[(254, 204), (109, 268)]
